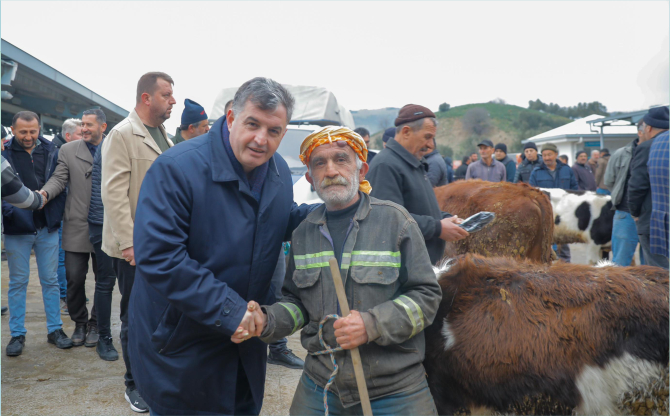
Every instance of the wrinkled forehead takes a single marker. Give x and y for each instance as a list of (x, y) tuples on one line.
[(332, 149)]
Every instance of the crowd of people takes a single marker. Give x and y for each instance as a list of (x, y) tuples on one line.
[(136, 206)]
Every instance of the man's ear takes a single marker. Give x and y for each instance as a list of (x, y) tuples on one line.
[(309, 178), (364, 171), (103, 127), (230, 117), (146, 98)]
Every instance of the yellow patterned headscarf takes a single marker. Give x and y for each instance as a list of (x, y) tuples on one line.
[(331, 134)]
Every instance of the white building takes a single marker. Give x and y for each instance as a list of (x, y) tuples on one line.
[(579, 135)]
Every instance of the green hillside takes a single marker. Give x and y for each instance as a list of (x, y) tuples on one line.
[(460, 129)]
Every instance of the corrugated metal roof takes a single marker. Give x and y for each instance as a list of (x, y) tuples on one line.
[(23, 58)]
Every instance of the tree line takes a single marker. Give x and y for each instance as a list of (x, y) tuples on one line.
[(578, 111)]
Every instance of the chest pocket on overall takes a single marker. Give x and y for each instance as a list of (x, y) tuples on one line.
[(309, 284), (377, 272)]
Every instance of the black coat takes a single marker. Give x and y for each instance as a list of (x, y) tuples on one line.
[(460, 172), (639, 187), (586, 180), (20, 221), (525, 168), (397, 176)]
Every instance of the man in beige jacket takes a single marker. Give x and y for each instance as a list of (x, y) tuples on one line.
[(127, 154), (75, 162)]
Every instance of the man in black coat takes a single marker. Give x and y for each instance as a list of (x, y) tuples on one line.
[(654, 123), (460, 172), (586, 179), (398, 174)]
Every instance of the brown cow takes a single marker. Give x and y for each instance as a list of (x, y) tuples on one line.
[(578, 335), (523, 227)]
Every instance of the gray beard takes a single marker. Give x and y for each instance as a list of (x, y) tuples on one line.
[(336, 198)]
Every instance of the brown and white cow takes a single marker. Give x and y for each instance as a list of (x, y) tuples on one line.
[(576, 336), (524, 223)]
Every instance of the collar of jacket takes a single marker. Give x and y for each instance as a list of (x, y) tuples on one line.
[(41, 141), (411, 160), (318, 216), (222, 167), (559, 164), (504, 160), (83, 153), (139, 130)]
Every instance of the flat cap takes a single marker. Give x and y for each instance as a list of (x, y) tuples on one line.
[(412, 112), (388, 134), (550, 146)]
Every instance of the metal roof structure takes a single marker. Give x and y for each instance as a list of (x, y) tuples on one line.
[(619, 120), (30, 84)]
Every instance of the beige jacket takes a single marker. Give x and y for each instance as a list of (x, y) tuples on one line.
[(75, 164), (127, 154)]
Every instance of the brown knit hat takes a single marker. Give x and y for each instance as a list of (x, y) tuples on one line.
[(412, 112)]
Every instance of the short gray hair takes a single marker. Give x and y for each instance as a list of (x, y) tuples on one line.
[(100, 116), (416, 125), (265, 94), (70, 125)]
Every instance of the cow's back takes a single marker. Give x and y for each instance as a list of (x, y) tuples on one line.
[(507, 330), (523, 227)]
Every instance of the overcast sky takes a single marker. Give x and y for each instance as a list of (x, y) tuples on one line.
[(370, 54)]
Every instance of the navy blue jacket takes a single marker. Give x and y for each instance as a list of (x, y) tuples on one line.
[(18, 221), (204, 247), (96, 211), (565, 178)]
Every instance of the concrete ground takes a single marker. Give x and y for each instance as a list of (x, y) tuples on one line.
[(47, 381)]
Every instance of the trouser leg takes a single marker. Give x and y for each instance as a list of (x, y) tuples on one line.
[(624, 238), (18, 249), (104, 289), (46, 255), (62, 277), (563, 252), (76, 267), (125, 273), (650, 258)]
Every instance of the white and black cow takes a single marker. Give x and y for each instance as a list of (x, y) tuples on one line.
[(565, 337), (585, 216)]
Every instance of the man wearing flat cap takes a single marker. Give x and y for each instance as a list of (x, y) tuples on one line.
[(193, 122), (486, 168), (387, 278), (654, 125), (398, 174)]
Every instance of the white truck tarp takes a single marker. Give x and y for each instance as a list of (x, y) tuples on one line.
[(313, 105)]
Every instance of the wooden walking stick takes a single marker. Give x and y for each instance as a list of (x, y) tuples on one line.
[(355, 354)]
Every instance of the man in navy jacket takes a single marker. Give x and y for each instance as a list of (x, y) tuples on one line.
[(34, 159), (552, 173), (211, 216)]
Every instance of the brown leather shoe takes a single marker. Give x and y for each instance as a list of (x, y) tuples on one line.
[(78, 336)]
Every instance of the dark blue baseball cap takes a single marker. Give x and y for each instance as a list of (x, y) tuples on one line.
[(193, 113)]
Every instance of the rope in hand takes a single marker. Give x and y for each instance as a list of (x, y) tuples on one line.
[(331, 351)]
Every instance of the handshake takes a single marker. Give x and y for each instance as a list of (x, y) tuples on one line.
[(252, 323), (44, 197)]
